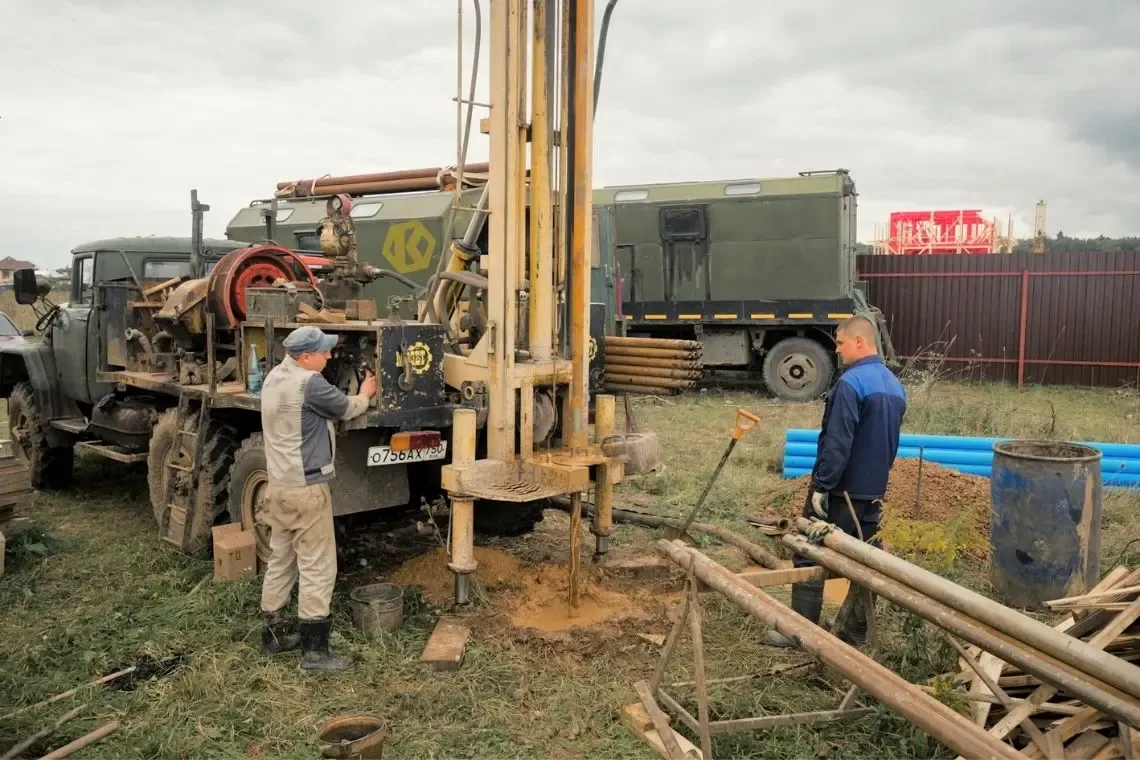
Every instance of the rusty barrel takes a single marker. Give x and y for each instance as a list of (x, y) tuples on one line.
[(1045, 510)]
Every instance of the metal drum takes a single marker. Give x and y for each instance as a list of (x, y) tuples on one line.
[(1045, 509)]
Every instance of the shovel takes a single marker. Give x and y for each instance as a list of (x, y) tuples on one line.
[(745, 421)]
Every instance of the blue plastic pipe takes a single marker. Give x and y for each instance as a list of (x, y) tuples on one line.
[(1120, 466)]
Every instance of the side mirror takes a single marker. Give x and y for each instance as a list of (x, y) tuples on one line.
[(25, 287)]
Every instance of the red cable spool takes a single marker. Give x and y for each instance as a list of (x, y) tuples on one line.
[(255, 267)]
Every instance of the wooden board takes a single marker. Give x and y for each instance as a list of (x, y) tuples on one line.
[(637, 720), (444, 650)]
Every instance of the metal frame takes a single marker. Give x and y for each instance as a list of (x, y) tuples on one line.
[(705, 728)]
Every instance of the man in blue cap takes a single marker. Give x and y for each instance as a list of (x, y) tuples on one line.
[(298, 411), (858, 442)]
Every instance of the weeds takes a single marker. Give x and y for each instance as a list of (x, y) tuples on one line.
[(93, 589)]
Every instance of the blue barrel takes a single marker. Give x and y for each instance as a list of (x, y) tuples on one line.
[(1045, 506)]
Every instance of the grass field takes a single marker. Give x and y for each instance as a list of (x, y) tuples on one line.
[(92, 590)]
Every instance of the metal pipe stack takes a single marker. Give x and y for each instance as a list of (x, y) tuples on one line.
[(403, 181), (1058, 660), (655, 366)]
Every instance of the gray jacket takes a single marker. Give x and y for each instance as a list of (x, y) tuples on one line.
[(298, 408)]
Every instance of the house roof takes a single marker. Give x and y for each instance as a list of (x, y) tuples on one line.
[(9, 264)]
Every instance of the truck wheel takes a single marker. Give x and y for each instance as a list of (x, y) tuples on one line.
[(51, 468), (212, 489), (248, 478), (798, 369)]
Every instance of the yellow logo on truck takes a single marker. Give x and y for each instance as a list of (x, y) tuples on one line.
[(419, 357), (593, 348), (408, 246)]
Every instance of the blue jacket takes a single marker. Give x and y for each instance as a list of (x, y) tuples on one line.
[(859, 436)]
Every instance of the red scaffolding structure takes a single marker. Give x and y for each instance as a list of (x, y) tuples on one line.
[(916, 233)]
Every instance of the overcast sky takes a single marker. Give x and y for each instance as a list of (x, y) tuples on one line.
[(111, 111)]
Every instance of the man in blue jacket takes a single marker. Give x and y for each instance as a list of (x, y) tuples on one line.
[(858, 441)]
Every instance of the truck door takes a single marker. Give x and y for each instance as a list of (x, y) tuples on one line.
[(602, 264), (73, 334), (684, 242)]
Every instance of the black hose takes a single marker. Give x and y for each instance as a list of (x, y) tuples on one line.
[(602, 51)]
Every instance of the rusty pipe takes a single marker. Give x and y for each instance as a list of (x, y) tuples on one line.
[(1001, 642), (657, 353), (755, 552), (675, 374), (1079, 654), (658, 381), (361, 188), (923, 710), (650, 390), (374, 177), (682, 345), (641, 361)]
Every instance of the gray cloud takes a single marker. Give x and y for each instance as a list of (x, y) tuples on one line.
[(110, 112)]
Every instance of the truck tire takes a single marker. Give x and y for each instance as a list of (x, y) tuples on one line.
[(798, 369), (213, 478), (51, 468), (248, 478)]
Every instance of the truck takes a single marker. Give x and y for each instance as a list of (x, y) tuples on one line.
[(759, 272)]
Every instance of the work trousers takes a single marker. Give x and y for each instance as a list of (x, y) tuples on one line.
[(302, 545), (868, 512)]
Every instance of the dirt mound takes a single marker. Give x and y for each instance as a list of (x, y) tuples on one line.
[(945, 494), (429, 572), (530, 596)]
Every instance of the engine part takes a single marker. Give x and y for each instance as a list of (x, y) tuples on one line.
[(245, 268)]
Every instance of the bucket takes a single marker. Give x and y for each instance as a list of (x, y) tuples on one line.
[(1045, 507), (377, 606), (353, 737)]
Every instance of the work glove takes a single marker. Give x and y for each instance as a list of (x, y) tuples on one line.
[(817, 530), (819, 504)]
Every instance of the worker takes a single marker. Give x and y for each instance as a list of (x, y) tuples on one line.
[(858, 442), (298, 410)]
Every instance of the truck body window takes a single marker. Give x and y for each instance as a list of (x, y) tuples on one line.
[(165, 270)]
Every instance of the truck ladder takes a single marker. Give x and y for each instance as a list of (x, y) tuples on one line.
[(182, 480)]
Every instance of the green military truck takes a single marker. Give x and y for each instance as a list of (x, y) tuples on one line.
[(760, 271)]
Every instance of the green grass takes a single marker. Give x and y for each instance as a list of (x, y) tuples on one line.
[(92, 590)]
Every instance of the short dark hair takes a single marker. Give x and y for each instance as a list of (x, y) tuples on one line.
[(863, 327)]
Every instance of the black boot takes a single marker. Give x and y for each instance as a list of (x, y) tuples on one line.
[(855, 630), (315, 653), (807, 601), (278, 634)]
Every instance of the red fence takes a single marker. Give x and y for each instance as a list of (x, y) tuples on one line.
[(1061, 318)]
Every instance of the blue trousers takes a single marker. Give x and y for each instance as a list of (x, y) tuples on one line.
[(868, 512)]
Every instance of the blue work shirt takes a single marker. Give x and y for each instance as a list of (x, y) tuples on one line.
[(859, 435)]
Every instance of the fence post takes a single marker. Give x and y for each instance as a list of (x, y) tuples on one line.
[(1022, 327)]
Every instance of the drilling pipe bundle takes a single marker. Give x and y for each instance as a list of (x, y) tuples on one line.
[(655, 366)]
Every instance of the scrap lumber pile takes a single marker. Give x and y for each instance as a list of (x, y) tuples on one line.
[(15, 489), (1050, 718), (655, 366)]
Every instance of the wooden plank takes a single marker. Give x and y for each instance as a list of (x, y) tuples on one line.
[(1086, 745), (660, 723), (444, 650), (639, 724)]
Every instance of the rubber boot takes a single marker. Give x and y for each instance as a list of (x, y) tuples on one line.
[(807, 601), (315, 654), (278, 634), (855, 631)]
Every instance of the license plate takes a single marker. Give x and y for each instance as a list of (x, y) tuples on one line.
[(382, 455)]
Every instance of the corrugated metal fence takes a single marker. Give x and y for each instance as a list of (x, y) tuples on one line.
[(1059, 318)]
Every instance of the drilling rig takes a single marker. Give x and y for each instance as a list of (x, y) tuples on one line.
[(158, 355), (529, 351)]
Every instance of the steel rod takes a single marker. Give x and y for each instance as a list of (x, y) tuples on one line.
[(1064, 647), (1004, 645), (755, 552), (930, 715)]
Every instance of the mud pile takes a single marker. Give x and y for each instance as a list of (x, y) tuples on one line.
[(530, 596), (944, 495)]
